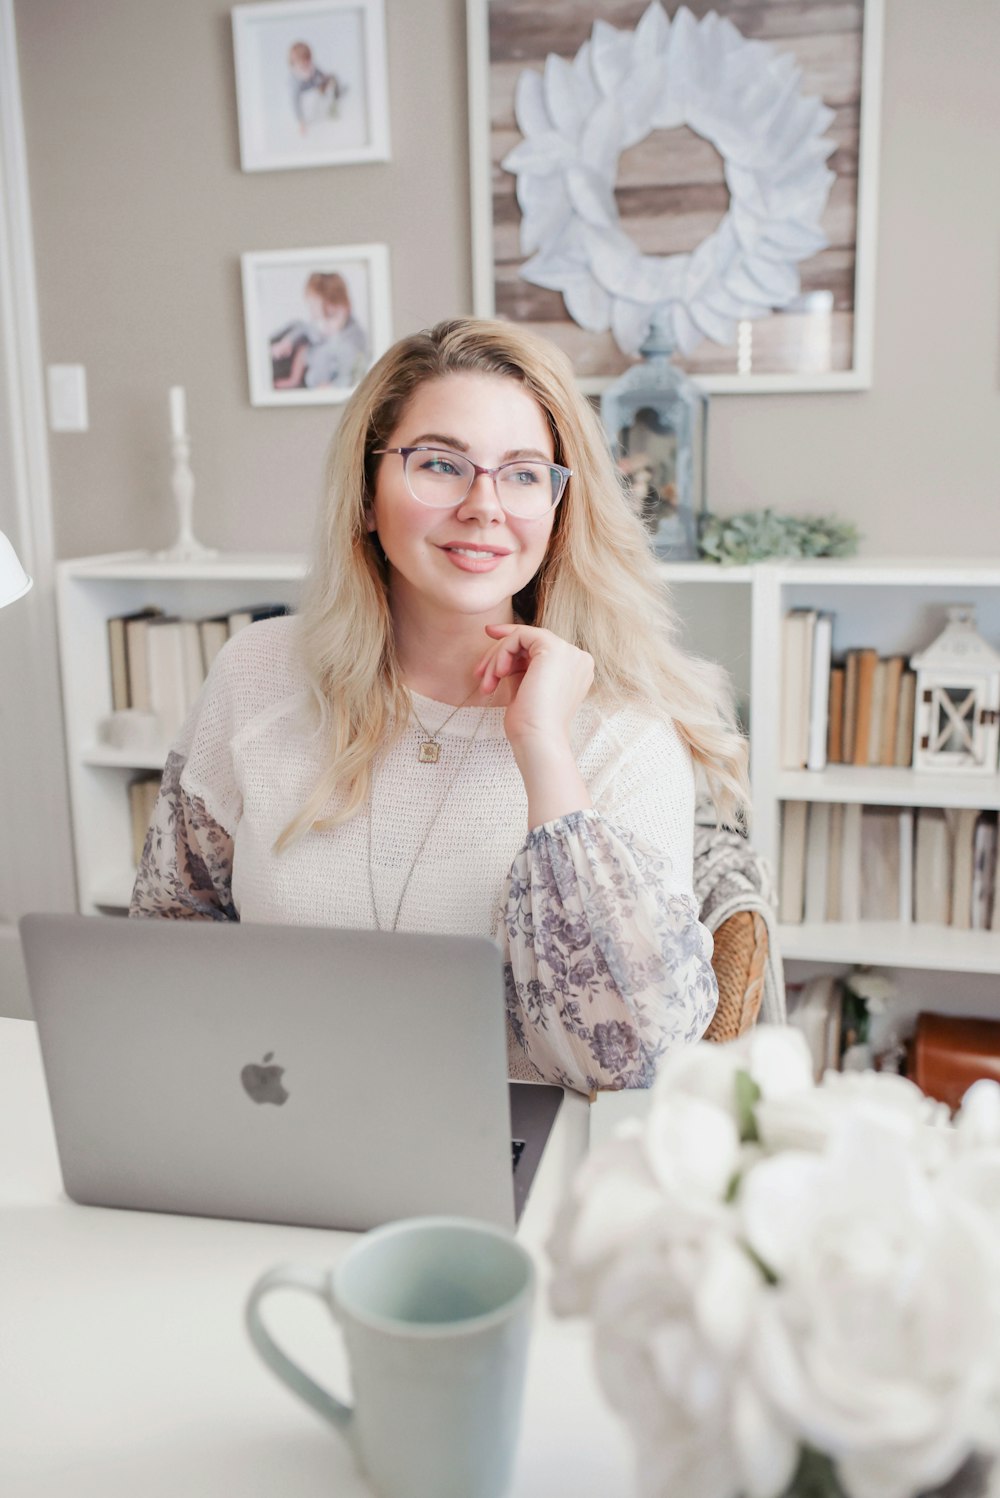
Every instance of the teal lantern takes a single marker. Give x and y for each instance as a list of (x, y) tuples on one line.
[(657, 419)]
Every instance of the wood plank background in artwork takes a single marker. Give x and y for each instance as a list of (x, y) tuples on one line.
[(670, 188)]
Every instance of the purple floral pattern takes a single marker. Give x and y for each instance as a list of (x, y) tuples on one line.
[(186, 869), (607, 968)]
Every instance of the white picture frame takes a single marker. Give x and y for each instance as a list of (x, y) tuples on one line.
[(311, 83), (506, 38), (315, 319)]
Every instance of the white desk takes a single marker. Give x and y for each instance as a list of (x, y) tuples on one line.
[(125, 1371)]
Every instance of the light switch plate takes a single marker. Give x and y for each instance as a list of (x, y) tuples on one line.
[(67, 398)]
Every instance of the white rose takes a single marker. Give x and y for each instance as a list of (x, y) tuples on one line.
[(693, 1149), (674, 1324), (977, 1122), (806, 1119), (776, 1057), (879, 1342)]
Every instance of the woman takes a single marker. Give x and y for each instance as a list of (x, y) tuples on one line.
[(479, 723)]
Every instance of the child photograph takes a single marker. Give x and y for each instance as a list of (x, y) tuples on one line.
[(310, 82), (315, 321)]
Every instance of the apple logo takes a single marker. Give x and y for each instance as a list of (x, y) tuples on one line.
[(263, 1083)]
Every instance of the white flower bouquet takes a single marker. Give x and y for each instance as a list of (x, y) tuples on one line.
[(795, 1288)]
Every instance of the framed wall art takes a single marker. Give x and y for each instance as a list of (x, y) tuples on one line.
[(713, 163), (311, 84), (316, 320)]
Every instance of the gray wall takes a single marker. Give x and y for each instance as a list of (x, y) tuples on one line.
[(141, 212)]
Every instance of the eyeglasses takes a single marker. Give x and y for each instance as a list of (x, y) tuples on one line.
[(442, 480)]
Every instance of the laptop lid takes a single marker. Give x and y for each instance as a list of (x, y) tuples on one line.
[(299, 1075)]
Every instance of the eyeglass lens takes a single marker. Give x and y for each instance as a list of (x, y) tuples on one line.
[(444, 479)]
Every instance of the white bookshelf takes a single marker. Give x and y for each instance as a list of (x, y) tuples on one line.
[(89, 591), (731, 614), (897, 607)]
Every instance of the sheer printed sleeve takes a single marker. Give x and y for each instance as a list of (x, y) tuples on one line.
[(185, 872), (606, 964)]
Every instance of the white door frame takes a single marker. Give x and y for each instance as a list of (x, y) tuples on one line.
[(36, 865)]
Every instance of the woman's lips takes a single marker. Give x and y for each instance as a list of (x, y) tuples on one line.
[(474, 558)]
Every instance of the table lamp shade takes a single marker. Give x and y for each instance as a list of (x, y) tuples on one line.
[(14, 581)]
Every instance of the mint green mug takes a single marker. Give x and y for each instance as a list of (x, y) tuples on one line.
[(435, 1313)]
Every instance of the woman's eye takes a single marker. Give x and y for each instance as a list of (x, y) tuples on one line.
[(523, 476), (440, 465)]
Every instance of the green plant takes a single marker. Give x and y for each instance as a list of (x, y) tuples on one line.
[(759, 535)]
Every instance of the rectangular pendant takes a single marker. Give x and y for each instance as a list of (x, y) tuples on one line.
[(429, 753)]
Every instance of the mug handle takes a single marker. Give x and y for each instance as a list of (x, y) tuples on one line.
[(315, 1282)]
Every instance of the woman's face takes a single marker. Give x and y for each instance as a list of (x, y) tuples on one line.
[(473, 559)]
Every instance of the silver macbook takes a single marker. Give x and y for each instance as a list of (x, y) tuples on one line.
[(334, 1079)]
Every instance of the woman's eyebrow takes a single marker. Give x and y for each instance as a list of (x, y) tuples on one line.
[(457, 445), (439, 438)]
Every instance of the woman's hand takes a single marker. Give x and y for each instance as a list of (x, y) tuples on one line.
[(549, 679)]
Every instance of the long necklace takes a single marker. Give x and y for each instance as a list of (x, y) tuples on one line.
[(429, 750), (423, 841)]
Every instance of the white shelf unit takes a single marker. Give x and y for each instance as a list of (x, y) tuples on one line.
[(89, 592), (898, 607), (731, 614)]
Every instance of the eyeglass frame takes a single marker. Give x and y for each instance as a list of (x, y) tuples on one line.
[(477, 470)]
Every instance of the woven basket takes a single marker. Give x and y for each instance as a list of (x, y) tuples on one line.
[(739, 959)]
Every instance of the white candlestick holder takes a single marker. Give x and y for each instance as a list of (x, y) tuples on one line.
[(186, 548)]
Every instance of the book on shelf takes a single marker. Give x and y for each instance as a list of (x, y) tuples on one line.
[(932, 871), (905, 721), (850, 863), (962, 831), (875, 724), (136, 656), (880, 863), (984, 870), (834, 849), (907, 818), (817, 861), (867, 662), (893, 675), (835, 726), (819, 692), (850, 706), (213, 632), (118, 656), (797, 631), (240, 618), (165, 663), (793, 862), (815, 1009), (142, 794), (176, 670)]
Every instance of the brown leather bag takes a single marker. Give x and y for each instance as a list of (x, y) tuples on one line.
[(951, 1052)]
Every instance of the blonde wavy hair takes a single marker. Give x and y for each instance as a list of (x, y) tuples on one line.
[(598, 586)]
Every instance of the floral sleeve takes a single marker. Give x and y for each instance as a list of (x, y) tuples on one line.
[(606, 968), (186, 868)]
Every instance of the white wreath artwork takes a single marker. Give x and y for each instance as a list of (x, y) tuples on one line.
[(742, 96)]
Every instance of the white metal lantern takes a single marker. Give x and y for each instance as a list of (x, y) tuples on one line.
[(957, 721)]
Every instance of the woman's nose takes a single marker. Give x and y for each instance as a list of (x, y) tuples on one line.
[(481, 499)]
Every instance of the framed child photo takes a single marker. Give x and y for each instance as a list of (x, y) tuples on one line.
[(316, 320), (311, 87)]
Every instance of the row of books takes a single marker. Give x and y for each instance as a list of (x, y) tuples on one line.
[(889, 863), (159, 661), (858, 710)]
